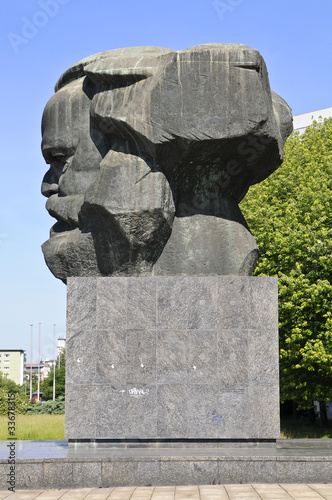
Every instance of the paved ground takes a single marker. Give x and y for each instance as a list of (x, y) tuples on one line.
[(225, 492)]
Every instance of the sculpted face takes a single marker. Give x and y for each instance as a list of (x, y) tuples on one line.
[(150, 151), (69, 146)]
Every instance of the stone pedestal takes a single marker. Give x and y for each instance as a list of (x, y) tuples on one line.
[(172, 358)]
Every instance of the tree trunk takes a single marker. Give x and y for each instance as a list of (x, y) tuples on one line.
[(323, 414), (312, 415)]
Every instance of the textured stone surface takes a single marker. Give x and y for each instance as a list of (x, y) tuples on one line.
[(192, 368), (138, 469), (150, 152), (125, 472)]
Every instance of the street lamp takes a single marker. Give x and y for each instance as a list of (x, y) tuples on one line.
[(31, 365), (38, 387), (54, 364)]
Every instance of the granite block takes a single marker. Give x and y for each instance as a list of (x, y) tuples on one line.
[(242, 471), (4, 470), (200, 403), (172, 303), (111, 303), (172, 417), (110, 403), (233, 301), (203, 303), (130, 473), (141, 303), (87, 474), (186, 411), (291, 471), (202, 357), (81, 356), (81, 304), (188, 472), (29, 475), (233, 413), (58, 474), (141, 411), (257, 471), (263, 303), (172, 356), (111, 357), (263, 412), (263, 353), (319, 472), (233, 346), (231, 472), (141, 356), (80, 411)]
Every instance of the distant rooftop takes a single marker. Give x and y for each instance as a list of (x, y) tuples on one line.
[(12, 350)]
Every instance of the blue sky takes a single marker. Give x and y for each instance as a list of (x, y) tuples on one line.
[(41, 38)]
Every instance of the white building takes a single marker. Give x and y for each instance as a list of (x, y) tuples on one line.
[(61, 345), (301, 122)]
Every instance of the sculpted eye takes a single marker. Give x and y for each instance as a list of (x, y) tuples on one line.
[(252, 67)]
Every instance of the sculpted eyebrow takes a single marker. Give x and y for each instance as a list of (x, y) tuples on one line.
[(118, 76)]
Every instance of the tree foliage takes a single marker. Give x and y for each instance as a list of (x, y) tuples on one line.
[(60, 375), (8, 386), (290, 216)]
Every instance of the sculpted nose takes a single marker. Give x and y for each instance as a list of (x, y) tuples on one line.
[(50, 183)]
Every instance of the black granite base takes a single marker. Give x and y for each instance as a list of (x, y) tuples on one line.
[(52, 464)]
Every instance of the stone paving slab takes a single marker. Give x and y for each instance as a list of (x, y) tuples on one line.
[(217, 492)]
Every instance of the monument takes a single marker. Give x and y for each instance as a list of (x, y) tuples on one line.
[(169, 336), (172, 344)]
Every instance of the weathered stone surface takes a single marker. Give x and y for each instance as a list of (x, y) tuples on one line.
[(194, 368), (150, 152), (152, 467)]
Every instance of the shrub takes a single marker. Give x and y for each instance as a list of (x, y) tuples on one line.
[(56, 407)]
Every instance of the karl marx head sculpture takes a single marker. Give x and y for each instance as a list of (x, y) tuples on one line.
[(150, 152)]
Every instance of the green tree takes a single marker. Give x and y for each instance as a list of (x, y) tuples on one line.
[(60, 377), (290, 216), (8, 386)]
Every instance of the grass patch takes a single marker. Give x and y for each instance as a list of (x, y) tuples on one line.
[(35, 427), (303, 429)]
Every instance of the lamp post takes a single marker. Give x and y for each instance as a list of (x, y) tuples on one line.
[(38, 382), (31, 328), (54, 364)]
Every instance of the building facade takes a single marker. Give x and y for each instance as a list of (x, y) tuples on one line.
[(301, 122), (12, 363), (61, 345)]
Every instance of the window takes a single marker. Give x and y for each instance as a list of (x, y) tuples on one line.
[(6, 368), (6, 361), (7, 355)]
